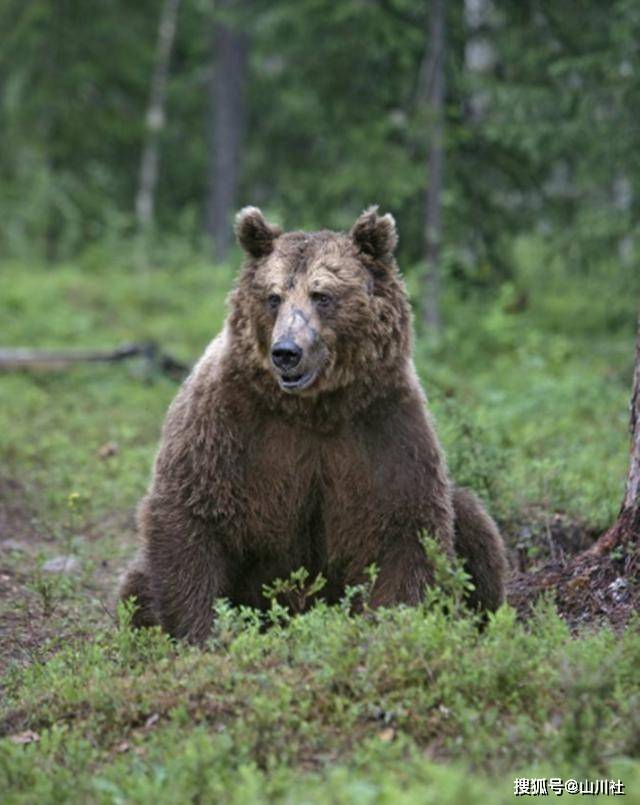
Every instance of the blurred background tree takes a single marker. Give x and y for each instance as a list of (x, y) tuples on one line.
[(156, 115), (315, 109)]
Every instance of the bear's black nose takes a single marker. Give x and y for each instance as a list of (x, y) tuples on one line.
[(286, 355)]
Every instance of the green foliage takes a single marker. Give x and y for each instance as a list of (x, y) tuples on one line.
[(294, 594), (520, 382), (78, 411), (335, 705), (451, 582)]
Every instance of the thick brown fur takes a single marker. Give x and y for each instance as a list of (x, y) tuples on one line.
[(257, 476)]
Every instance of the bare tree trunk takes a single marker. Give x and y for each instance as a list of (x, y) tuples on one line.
[(627, 527), (148, 177), (227, 123), (434, 96)]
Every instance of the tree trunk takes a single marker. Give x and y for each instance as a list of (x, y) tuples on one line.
[(627, 527), (600, 581), (434, 96), (227, 119), (148, 177)]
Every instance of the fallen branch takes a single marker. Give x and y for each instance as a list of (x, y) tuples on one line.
[(34, 359)]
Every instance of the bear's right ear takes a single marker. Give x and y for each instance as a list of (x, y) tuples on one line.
[(255, 235), (374, 234)]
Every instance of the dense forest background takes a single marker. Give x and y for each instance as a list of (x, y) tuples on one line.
[(471, 121)]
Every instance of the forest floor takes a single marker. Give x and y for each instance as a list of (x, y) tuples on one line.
[(397, 706)]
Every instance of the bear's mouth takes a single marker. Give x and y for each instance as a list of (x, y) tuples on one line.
[(297, 382)]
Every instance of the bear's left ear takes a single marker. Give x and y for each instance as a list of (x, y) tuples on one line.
[(374, 234), (254, 233)]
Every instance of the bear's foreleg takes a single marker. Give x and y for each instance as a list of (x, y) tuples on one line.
[(403, 574), (185, 566)]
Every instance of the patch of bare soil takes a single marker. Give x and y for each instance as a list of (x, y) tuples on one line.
[(549, 537), (40, 610), (17, 522), (18, 540), (588, 587)]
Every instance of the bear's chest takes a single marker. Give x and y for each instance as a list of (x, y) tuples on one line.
[(301, 487), (281, 483)]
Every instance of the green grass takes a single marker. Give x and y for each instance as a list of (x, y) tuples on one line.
[(53, 424), (533, 405), (405, 706)]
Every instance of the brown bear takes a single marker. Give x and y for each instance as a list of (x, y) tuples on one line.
[(302, 439)]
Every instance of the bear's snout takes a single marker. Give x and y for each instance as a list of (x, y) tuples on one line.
[(286, 355)]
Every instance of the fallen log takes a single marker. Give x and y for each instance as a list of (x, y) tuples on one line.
[(37, 359)]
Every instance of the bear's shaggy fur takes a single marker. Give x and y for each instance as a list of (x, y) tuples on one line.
[(302, 438)]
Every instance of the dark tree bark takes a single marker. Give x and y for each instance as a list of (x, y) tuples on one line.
[(434, 97), (627, 527), (156, 116), (227, 122)]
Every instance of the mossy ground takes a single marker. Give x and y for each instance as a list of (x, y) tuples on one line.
[(529, 388)]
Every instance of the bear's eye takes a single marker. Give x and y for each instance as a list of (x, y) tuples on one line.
[(273, 300), (322, 300)]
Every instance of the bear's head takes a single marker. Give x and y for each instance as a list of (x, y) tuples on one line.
[(315, 312)]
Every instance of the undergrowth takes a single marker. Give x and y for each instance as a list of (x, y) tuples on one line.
[(404, 704)]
